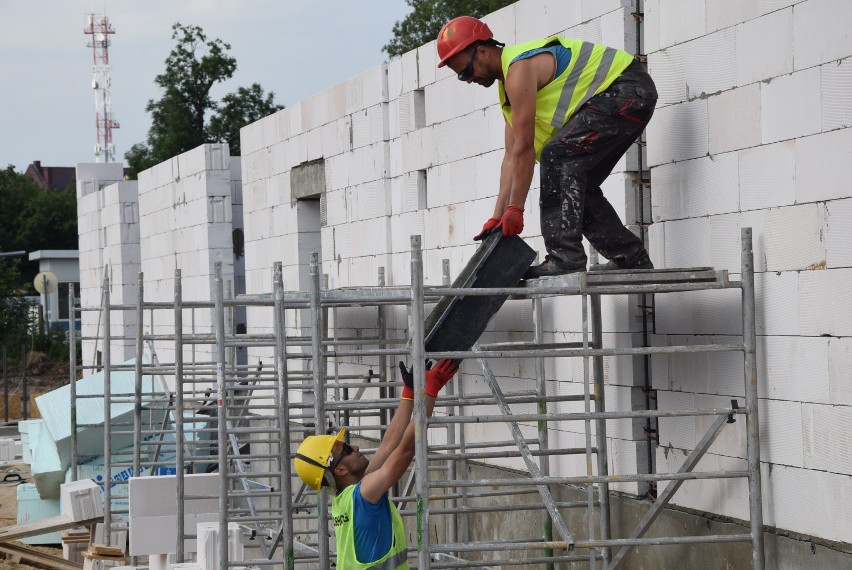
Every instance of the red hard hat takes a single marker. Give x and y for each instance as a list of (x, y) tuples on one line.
[(458, 34)]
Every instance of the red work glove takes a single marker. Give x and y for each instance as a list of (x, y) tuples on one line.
[(436, 378), (408, 379), (486, 229), (439, 375), (512, 221)]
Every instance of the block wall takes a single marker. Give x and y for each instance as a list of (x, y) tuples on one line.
[(752, 130), (108, 244), (186, 215), (408, 149)]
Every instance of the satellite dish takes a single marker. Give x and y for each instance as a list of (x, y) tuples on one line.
[(45, 282)]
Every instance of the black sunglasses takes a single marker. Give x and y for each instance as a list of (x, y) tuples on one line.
[(467, 72), (346, 450)]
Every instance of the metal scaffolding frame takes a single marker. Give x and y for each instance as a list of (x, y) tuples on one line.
[(248, 421)]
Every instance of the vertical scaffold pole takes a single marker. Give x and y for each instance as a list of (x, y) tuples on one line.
[(285, 483), (137, 391), (221, 416), (179, 435), (600, 426), (752, 419), (107, 413), (543, 437), (72, 378), (319, 401), (418, 354)]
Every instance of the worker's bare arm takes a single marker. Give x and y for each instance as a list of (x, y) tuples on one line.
[(393, 435), (376, 483), (505, 174)]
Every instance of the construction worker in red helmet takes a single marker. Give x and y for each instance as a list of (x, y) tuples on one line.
[(574, 106), (367, 526)]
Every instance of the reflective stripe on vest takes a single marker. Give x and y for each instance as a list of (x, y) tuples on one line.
[(592, 69), (392, 562), (567, 95)]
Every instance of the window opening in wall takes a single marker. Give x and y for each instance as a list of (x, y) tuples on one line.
[(419, 101), (422, 180)]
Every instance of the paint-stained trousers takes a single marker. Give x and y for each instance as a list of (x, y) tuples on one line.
[(576, 162)]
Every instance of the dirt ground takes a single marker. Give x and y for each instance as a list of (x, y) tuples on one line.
[(9, 515)]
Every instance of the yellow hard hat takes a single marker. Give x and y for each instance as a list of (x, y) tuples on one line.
[(313, 458)]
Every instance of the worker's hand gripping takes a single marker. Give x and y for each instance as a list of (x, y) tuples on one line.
[(512, 221), (486, 229), (436, 378)]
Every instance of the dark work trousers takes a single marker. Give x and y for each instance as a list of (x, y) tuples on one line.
[(575, 163)]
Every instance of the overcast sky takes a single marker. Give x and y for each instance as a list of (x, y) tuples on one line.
[(292, 47)]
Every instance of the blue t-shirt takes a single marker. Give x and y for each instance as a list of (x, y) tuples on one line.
[(373, 526), (560, 52)]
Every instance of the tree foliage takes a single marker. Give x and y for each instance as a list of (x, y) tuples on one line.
[(179, 117), (422, 25), (32, 218), (236, 111), (14, 309)]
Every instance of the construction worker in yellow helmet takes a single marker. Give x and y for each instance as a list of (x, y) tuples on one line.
[(367, 526), (574, 106)]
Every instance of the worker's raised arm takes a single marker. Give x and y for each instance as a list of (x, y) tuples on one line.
[(381, 475)]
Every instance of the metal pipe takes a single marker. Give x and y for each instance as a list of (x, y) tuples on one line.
[(318, 325), (180, 436), (72, 379), (107, 411), (602, 454), (221, 412), (418, 355), (285, 479), (752, 403)]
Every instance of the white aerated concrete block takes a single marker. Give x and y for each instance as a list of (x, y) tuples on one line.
[(823, 162), (776, 297), (734, 118), (678, 132), (839, 365), (208, 544), (828, 437), (821, 32), (807, 501), (799, 90), (81, 500), (793, 368), (687, 243), (711, 65), (680, 21), (767, 175), (754, 61), (818, 317), (795, 238), (836, 94), (838, 218)]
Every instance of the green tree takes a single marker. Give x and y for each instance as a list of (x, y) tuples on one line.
[(237, 110), (193, 68), (14, 310), (424, 22), (32, 218)]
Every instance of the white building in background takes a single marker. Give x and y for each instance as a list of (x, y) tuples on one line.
[(748, 132), (64, 264)]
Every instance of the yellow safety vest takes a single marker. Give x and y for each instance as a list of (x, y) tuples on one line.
[(342, 511), (593, 68)]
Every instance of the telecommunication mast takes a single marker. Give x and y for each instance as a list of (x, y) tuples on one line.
[(100, 30)]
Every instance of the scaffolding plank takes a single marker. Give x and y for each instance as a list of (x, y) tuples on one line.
[(456, 323), (44, 526), (32, 555)]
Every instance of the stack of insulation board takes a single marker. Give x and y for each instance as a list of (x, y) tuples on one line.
[(55, 410)]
